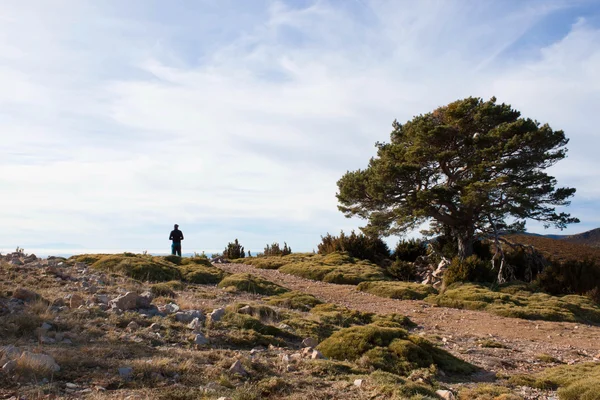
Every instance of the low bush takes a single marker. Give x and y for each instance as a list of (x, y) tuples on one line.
[(234, 250), (294, 300), (390, 349), (571, 277), (200, 273), (359, 246), (518, 300), (276, 250), (166, 289), (574, 382), (397, 290), (401, 270), (471, 269), (252, 284), (335, 268), (140, 267), (409, 250)]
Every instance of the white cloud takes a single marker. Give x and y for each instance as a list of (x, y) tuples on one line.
[(112, 129)]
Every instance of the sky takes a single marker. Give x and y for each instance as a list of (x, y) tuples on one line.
[(235, 119)]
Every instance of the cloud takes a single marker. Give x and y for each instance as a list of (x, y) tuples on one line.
[(238, 119)]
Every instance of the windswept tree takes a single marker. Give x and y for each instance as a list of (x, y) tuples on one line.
[(471, 167)]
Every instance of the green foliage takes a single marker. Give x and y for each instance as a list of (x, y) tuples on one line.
[(243, 321), (166, 289), (335, 268), (571, 277), (139, 267), (471, 269), (275, 250), (294, 300), (252, 284), (409, 250), (343, 317), (574, 382), (359, 246), (397, 290), (234, 250), (518, 300), (469, 166), (390, 349), (202, 274), (401, 270)]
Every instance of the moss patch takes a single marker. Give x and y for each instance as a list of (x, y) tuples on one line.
[(518, 301), (144, 268), (391, 350), (252, 284), (398, 290), (294, 300)]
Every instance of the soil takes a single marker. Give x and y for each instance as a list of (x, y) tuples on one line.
[(462, 332)]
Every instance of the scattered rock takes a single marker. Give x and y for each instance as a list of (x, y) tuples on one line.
[(101, 298), (359, 382), (133, 326), (46, 326), (26, 294), (155, 327), (76, 301), (309, 342), (144, 300), (9, 366), (126, 372), (238, 368), (171, 308), (39, 360), (445, 394), (200, 340), (188, 316), (317, 355), (195, 325), (216, 314), (128, 301), (16, 261), (484, 376)]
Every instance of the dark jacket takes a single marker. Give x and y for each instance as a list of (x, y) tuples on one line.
[(176, 236)]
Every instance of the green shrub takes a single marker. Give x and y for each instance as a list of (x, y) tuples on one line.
[(518, 300), (165, 289), (335, 268), (252, 284), (571, 277), (145, 268), (234, 250), (359, 246), (202, 274), (401, 270), (471, 269), (275, 250), (409, 250), (294, 300), (390, 349), (397, 290), (343, 317), (244, 321)]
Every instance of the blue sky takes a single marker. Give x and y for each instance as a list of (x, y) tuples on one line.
[(236, 118)]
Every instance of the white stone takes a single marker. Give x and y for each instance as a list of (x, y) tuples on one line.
[(238, 368), (445, 394), (195, 325), (216, 314), (359, 382), (309, 342)]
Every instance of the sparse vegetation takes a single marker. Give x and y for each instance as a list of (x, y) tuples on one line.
[(398, 290), (234, 250), (252, 284), (355, 245), (518, 300), (275, 250)]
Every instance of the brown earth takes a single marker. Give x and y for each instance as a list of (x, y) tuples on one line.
[(462, 331)]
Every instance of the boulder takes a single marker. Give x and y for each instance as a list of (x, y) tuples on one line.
[(445, 394), (144, 300), (195, 325), (171, 308), (316, 355), (101, 298), (16, 261), (188, 316), (128, 301), (200, 340), (237, 368), (75, 301), (125, 372), (309, 342), (216, 314), (38, 360)]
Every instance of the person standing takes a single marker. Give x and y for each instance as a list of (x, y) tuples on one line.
[(176, 236)]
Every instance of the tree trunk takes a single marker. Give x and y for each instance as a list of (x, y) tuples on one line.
[(465, 244)]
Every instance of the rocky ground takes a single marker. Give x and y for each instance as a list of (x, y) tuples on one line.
[(67, 331)]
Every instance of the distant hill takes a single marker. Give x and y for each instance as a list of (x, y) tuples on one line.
[(589, 238), (563, 247)]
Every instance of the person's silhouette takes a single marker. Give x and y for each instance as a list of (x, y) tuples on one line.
[(176, 236)]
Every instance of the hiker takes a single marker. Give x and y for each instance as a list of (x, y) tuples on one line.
[(176, 236)]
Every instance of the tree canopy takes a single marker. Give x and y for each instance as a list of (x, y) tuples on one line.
[(470, 167)]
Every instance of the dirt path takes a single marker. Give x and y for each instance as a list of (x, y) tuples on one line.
[(461, 331)]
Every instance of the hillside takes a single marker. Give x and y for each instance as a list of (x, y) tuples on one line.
[(562, 249), (589, 238), (94, 327)]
